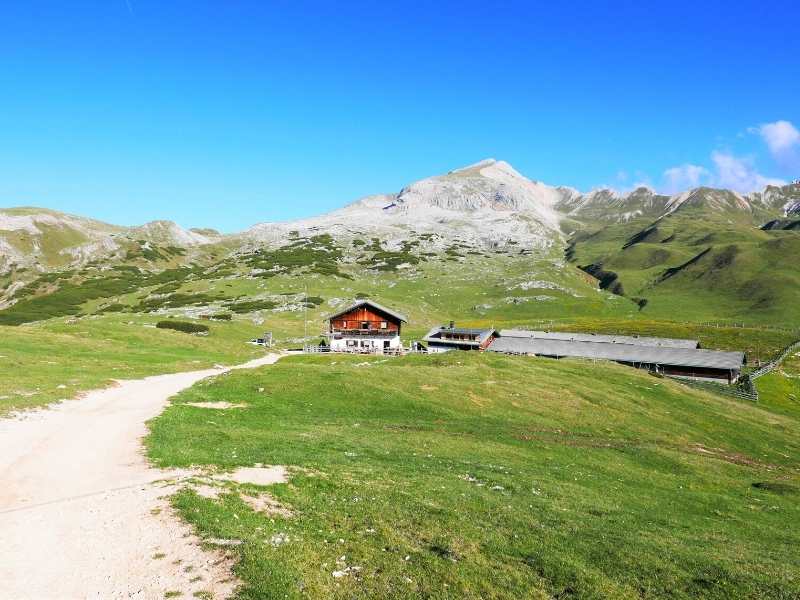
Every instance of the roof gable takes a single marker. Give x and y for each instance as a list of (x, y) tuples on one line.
[(370, 303)]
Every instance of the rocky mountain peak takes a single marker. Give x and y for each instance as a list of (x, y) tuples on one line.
[(170, 233)]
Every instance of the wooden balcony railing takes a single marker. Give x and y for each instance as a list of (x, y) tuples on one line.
[(362, 332)]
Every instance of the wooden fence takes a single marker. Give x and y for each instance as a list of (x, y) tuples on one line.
[(742, 390), (746, 388), (371, 351), (774, 364)]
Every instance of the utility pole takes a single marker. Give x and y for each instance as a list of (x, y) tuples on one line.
[(305, 318)]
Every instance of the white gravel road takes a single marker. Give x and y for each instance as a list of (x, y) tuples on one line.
[(83, 515)]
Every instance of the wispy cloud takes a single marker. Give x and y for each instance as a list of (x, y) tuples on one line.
[(729, 171), (779, 136), (130, 7), (783, 140), (739, 173), (685, 177)]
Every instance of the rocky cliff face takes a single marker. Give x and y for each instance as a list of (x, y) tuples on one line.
[(613, 207), (486, 204)]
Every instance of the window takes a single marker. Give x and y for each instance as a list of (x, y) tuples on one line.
[(352, 343), (384, 325), (364, 324), (385, 344), (344, 324)]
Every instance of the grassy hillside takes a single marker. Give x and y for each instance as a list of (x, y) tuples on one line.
[(482, 476), (697, 265), (780, 390), (56, 360), (101, 312)]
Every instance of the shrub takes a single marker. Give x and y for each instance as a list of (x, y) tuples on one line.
[(250, 306), (116, 307), (220, 317), (183, 326)]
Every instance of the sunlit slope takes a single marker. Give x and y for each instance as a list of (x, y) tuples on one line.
[(697, 263), (475, 476)]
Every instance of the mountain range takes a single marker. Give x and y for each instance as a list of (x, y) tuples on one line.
[(704, 244)]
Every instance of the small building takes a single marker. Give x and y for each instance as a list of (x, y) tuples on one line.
[(449, 337), (660, 355), (365, 326)]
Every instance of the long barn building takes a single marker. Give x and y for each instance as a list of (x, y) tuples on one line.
[(674, 357)]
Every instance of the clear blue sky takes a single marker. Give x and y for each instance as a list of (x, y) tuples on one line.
[(226, 113)]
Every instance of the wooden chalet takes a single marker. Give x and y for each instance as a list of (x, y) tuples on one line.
[(365, 326)]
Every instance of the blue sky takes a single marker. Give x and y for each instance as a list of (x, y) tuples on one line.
[(223, 114)]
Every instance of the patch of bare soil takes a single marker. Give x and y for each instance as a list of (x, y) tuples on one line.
[(257, 475), (731, 457), (215, 405), (264, 503)]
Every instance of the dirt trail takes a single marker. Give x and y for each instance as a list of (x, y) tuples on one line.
[(82, 514)]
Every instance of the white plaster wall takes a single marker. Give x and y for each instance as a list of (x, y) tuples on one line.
[(364, 342)]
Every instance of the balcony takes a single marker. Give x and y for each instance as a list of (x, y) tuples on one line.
[(339, 333)]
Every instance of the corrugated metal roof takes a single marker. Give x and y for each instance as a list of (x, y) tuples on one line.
[(374, 305), (595, 337), (434, 335), (684, 357)]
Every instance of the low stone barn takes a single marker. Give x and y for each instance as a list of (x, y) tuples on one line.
[(365, 326), (449, 337), (677, 358)]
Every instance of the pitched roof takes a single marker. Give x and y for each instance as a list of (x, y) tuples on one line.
[(374, 305), (594, 337), (434, 335), (684, 357)]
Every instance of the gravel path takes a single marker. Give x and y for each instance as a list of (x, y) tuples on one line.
[(83, 515)]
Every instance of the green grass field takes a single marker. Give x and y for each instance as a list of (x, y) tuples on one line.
[(104, 331), (482, 476), (780, 390), (55, 360)]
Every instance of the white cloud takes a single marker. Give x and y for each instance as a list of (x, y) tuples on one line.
[(729, 172), (780, 136), (738, 173), (685, 177)]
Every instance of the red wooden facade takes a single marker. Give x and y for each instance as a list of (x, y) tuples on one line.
[(365, 318)]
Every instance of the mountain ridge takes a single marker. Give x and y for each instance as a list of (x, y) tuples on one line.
[(487, 203)]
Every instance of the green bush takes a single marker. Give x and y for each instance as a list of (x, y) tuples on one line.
[(250, 306), (220, 317), (116, 307), (183, 326)]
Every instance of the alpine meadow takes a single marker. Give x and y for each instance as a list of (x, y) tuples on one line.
[(347, 360), (462, 476)]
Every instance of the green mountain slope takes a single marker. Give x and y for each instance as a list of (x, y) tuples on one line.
[(706, 258)]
